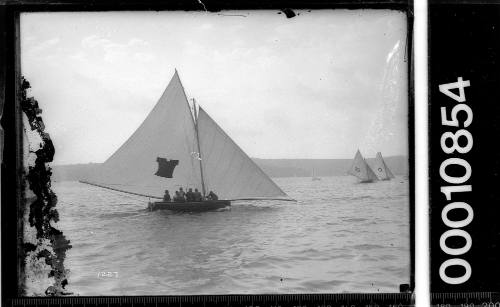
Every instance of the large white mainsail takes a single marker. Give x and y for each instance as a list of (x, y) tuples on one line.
[(168, 132), (193, 154), (383, 172), (361, 169), (227, 170)]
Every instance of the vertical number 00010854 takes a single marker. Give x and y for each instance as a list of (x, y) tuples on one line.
[(459, 183)]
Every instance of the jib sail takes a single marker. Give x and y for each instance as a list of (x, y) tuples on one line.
[(361, 169), (383, 172)]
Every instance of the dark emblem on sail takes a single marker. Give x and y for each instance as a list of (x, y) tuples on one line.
[(357, 169), (166, 167)]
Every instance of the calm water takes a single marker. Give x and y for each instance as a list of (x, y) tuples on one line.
[(340, 236)]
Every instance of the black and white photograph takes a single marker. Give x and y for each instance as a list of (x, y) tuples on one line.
[(232, 152)]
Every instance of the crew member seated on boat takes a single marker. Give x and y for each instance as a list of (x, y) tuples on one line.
[(166, 197), (176, 196), (212, 196), (190, 195), (197, 195), (182, 195)]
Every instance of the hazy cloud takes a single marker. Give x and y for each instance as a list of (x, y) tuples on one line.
[(319, 85)]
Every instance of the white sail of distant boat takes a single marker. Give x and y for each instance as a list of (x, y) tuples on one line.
[(173, 149), (381, 170), (314, 177), (361, 169)]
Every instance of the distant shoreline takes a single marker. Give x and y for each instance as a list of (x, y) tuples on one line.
[(276, 168)]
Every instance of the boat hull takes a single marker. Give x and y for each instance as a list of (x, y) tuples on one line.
[(367, 181), (189, 206)]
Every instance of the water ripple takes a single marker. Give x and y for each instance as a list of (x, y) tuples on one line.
[(339, 236)]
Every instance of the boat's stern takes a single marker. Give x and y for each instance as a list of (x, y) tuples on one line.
[(151, 206)]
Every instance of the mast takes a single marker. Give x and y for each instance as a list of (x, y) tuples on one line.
[(199, 150)]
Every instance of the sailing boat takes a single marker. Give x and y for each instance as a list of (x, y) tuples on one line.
[(361, 169), (178, 148), (381, 169), (314, 178)]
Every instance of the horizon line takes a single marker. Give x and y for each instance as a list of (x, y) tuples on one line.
[(400, 155)]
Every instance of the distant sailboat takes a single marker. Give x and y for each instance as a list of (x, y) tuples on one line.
[(175, 147), (381, 170), (314, 178), (361, 169)]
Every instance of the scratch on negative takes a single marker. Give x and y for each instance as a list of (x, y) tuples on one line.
[(204, 7), (232, 15)]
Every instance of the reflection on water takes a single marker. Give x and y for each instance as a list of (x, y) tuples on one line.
[(340, 236)]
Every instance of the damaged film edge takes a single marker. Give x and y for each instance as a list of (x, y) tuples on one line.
[(49, 243)]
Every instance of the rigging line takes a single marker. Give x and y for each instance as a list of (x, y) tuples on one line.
[(199, 151), (256, 198), (188, 148), (128, 185), (196, 163), (134, 197), (105, 187)]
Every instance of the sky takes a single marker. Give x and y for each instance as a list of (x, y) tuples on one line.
[(319, 85)]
